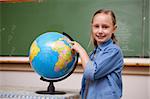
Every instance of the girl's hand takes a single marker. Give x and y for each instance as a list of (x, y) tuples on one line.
[(82, 53), (76, 46)]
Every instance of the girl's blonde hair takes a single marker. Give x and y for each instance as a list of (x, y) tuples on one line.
[(105, 11)]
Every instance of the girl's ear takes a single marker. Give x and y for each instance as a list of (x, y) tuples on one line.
[(115, 28)]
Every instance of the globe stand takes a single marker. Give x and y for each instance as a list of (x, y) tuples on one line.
[(50, 88)]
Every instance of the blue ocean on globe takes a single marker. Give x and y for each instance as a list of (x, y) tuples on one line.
[(51, 56)]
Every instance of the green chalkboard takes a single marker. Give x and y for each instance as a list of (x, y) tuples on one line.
[(21, 23)]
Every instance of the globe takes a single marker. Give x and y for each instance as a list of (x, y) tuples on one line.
[(51, 56)]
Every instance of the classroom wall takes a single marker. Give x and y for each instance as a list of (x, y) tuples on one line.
[(134, 86)]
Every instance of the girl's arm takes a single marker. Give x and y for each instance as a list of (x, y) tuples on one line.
[(82, 53)]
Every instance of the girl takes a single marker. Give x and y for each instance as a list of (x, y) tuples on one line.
[(102, 68)]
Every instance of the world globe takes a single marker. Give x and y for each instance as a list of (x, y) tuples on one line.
[(51, 56)]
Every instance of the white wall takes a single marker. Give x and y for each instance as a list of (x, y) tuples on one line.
[(31, 79), (135, 87)]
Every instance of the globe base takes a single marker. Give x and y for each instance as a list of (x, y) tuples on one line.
[(50, 88), (52, 93)]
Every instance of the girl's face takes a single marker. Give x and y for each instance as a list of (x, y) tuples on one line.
[(102, 27)]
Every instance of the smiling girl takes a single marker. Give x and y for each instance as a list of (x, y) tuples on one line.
[(102, 77)]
